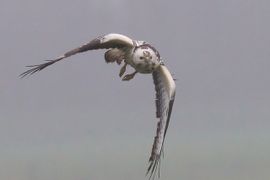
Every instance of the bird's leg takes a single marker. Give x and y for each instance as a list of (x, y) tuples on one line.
[(123, 70), (129, 76)]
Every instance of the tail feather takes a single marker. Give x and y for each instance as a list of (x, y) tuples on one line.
[(114, 55)]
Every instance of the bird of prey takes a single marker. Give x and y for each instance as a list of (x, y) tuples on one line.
[(145, 59)]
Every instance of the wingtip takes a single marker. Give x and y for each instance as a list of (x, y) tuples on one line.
[(153, 169), (38, 67)]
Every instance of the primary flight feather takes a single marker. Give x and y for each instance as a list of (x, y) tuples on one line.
[(145, 59)]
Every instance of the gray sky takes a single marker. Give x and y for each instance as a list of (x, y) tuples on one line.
[(78, 120)]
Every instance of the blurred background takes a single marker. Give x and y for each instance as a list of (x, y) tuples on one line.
[(78, 120)]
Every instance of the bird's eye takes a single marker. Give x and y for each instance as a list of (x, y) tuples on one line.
[(141, 57)]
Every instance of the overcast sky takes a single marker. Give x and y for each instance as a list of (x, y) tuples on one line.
[(78, 120)]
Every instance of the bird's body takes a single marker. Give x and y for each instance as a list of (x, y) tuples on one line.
[(145, 59)]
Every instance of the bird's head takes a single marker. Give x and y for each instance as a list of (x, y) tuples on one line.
[(145, 58), (146, 53)]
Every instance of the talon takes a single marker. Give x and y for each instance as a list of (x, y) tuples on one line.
[(129, 76), (123, 70)]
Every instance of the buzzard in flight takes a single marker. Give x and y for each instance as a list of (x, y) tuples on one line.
[(145, 59)]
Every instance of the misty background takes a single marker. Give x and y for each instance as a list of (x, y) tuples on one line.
[(78, 120)]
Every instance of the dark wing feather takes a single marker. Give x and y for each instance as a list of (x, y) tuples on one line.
[(103, 42), (165, 93)]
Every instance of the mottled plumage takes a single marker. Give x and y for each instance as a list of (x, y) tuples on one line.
[(145, 59)]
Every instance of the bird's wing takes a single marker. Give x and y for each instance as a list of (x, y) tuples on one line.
[(103, 42), (165, 93)]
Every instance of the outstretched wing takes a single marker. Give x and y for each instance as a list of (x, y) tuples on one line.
[(165, 93), (102, 42)]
